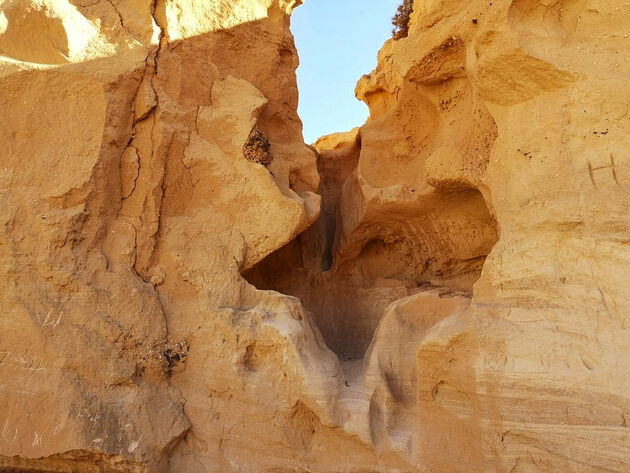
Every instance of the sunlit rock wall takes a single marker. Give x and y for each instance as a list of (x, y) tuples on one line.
[(443, 289)]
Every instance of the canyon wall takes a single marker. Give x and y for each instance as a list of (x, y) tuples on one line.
[(185, 286)]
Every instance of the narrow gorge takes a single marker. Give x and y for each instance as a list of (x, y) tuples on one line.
[(188, 287)]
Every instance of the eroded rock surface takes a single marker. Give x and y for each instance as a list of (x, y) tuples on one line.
[(441, 290)]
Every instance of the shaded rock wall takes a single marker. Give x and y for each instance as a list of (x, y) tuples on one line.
[(440, 290)]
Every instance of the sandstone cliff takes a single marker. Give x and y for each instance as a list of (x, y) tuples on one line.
[(185, 286)]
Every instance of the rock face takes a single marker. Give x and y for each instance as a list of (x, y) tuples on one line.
[(185, 286)]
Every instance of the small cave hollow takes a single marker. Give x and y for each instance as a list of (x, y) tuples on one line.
[(347, 274)]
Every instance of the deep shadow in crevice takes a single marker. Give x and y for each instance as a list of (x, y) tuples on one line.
[(347, 280)]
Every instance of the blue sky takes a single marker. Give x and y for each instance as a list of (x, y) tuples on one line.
[(337, 41)]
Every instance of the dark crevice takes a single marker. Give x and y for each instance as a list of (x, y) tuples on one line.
[(346, 275)]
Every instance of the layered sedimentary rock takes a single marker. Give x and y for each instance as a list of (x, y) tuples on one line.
[(524, 380), (185, 286), (128, 210)]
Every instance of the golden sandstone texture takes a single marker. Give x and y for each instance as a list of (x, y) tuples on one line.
[(186, 287)]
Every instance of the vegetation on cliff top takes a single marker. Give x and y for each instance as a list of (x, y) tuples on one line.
[(401, 20)]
